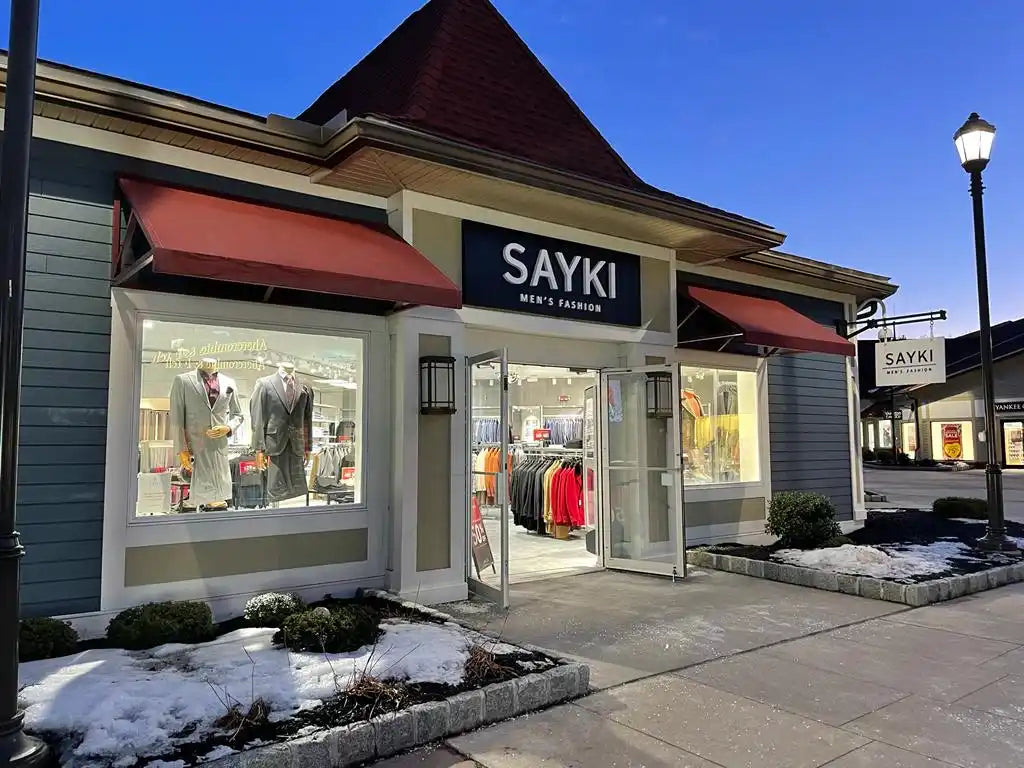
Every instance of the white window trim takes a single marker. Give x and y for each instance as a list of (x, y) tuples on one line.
[(121, 529)]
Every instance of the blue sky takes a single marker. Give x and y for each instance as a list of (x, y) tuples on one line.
[(830, 120)]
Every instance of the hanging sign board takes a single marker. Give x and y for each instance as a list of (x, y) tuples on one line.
[(952, 441), (482, 555), (910, 361), (523, 272)]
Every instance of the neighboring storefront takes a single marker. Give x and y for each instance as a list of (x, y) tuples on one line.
[(265, 354), (876, 422), (949, 418)]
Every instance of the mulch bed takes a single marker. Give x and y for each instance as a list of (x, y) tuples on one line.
[(366, 699), (892, 528)]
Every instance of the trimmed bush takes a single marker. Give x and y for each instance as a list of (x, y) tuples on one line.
[(837, 541), (884, 456), (959, 506), (339, 630), (903, 460), (152, 624), (927, 463), (45, 638), (802, 520), (867, 454), (271, 609)]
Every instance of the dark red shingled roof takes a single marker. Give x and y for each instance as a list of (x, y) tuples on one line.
[(457, 69)]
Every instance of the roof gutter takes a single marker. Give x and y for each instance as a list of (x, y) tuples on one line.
[(326, 146), (864, 284), (386, 135), (61, 85)]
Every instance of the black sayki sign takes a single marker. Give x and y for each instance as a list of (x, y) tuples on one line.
[(522, 272)]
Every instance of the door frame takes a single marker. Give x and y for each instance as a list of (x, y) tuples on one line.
[(676, 567), (500, 594)]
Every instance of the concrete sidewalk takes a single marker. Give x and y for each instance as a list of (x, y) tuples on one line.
[(766, 675)]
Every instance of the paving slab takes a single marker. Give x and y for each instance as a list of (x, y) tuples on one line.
[(1004, 697), (960, 735), (630, 626), (878, 755), (571, 737), (905, 672), (814, 693), (969, 616), (1011, 663), (932, 643), (721, 727), (433, 756)]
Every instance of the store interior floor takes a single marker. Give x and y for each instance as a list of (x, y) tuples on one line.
[(533, 557)]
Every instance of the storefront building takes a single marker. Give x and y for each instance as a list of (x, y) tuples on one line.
[(946, 422), (245, 338)]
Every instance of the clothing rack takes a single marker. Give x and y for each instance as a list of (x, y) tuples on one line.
[(549, 450)]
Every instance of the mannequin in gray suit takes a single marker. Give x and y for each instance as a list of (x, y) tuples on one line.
[(204, 413), (281, 408)]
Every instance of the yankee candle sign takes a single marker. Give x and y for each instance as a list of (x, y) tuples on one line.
[(523, 272), (910, 361)]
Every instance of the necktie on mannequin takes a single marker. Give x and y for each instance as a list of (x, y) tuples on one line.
[(289, 389)]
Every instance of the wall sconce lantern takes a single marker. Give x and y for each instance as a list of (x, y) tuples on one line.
[(437, 385), (659, 395)]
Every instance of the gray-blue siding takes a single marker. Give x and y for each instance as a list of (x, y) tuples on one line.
[(808, 409), (66, 361)]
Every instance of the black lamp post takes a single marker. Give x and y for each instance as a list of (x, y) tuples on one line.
[(16, 749), (974, 145)]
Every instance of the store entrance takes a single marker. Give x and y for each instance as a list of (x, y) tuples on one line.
[(533, 416)]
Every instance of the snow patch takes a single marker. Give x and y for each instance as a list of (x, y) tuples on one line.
[(906, 562), (127, 706)]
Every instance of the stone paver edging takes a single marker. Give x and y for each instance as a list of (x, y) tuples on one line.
[(914, 595), (395, 732)]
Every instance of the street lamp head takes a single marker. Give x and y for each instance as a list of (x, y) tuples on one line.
[(974, 143)]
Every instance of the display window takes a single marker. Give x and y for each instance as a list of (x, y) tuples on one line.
[(719, 423), (1013, 443), (237, 419), (952, 441), (909, 437), (885, 434)]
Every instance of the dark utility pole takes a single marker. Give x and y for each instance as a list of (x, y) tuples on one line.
[(16, 749), (973, 142), (995, 536)]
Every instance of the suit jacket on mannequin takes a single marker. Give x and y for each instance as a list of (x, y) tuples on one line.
[(191, 416), (284, 434)]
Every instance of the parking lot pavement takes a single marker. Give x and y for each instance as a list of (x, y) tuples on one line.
[(916, 488)]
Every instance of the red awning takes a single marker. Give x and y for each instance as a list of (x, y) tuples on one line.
[(192, 234), (769, 323)]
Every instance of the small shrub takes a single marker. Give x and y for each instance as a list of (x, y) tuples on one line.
[(903, 460), (958, 506), (45, 638), (340, 630), (271, 609), (152, 624), (884, 456), (867, 454), (802, 520), (837, 541), (927, 463)]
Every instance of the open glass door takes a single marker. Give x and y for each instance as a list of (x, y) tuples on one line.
[(487, 441), (641, 500), (591, 481)]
